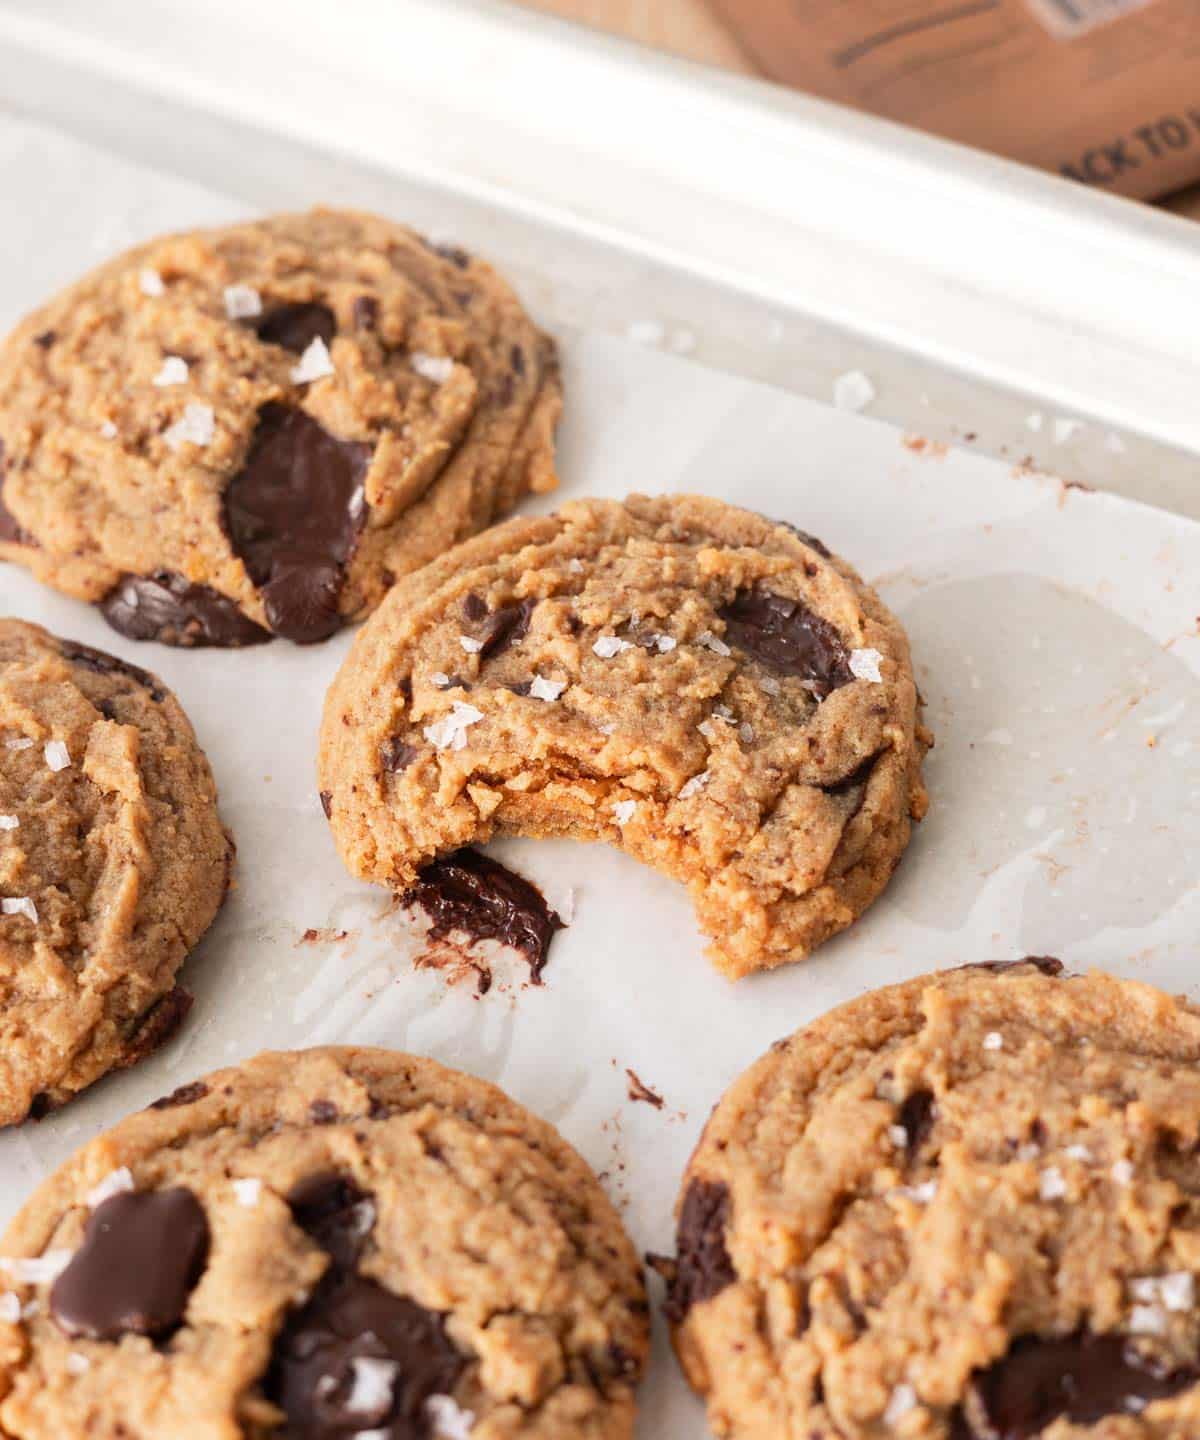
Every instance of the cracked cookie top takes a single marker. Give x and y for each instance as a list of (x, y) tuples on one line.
[(345, 1242), (961, 1208), (713, 691)]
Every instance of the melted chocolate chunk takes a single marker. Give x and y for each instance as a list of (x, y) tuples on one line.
[(327, 803), (351, 1319), (141, 1257), (1082, 1377), (184, 1095), (703, 1267), (10, 532), (167, 608), (293, 515), (788, 638), (295, 327), (466, 893), (505, 627), (917, 1115), (101, 663), (395, 755)]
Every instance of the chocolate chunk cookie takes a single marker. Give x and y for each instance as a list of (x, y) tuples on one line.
[(962, 1208), (240, 433), (711, 690), (113, 862), (331, 1243)]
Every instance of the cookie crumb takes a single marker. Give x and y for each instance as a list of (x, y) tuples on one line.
[(437, 369), (150, 282), (58, 757), (117, 1182), (242, 302), (314, 364), (20, 905), (639, 1090)]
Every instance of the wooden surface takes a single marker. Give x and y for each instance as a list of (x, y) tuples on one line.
[(689, 28)]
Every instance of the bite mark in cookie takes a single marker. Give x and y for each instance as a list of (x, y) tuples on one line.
[(673, 675)]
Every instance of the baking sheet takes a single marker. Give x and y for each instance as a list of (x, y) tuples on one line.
[(1055, 633)]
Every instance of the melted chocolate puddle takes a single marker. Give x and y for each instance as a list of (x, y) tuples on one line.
[(293, 515), (167, 608), (470, 898), (1082, 1377), (356, 1358), (787, 637)]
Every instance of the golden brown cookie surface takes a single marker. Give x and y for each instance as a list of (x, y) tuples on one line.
[(113, 863), (345, 1242), (963, 1207), (708, 689), (235, 433)]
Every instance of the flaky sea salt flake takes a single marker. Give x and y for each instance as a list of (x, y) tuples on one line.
[(898, 1135), (371, 1385), (248, 1192), (694, 785), (713, 642), (993, 1040), (902, 1399), (116, 1182), (470, 644), (315, 364), (1147, 1320), (19, 905), (242, 302), (447, 1420), (864, 665), (853, 391), (58, 757), (1051, 1185), (664, 644), (172, 371), (36, 1269), (150, 282), (77, 1364), (108, 430), (1122, 1172), (196, 426), (1066, 429), (624, 810), (450, 732), (1080, 1153), (437, 369), (22, 742), (10, 1308), (542, 689), (609, 645), (8, 822), (440, 679)]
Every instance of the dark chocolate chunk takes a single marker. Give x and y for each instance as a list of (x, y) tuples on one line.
[(295, 327), (396, 755), (810, 540), (366, 312), (323, 1112), (349, 1319), (293, 514), (703, 1267), (1081, 1377), (474, 608), (156, 1026), (45, 339), (788, 638), (1046, 964), (102, 663), (516, 358), (41, 1105), (141, 1257), (506, 626), (184, 1095), (916, 1116), (467, 894), (454, 253), (167, 608), (327, 803), (10, 532)]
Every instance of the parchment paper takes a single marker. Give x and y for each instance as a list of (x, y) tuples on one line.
[(1056, 638)]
